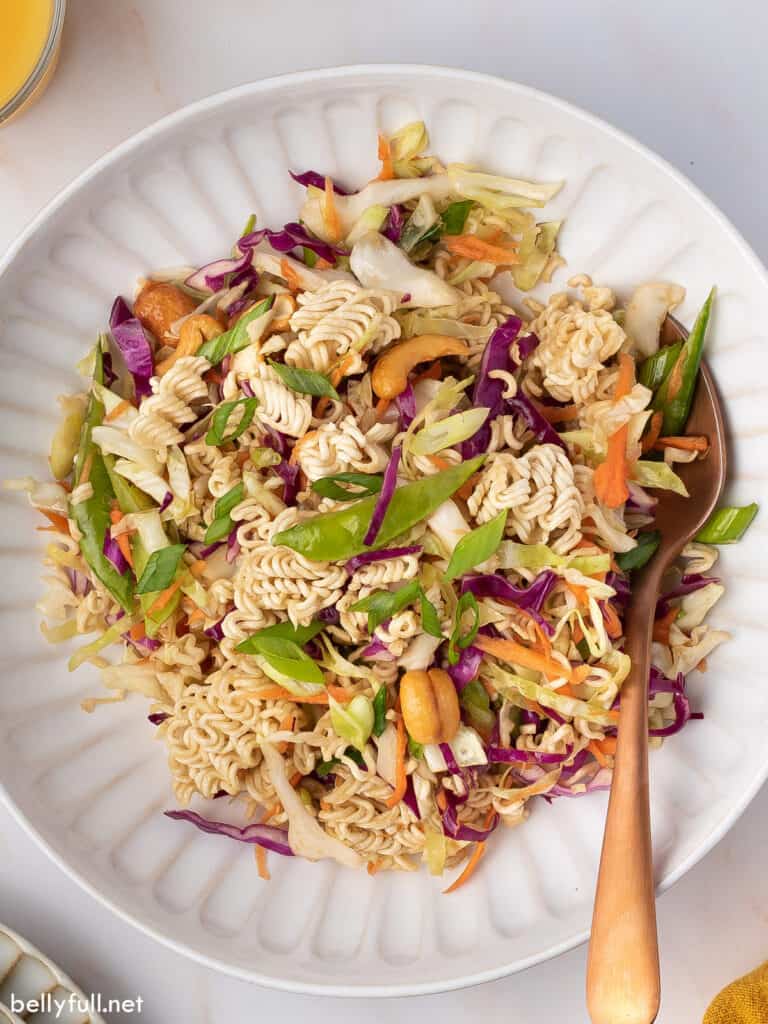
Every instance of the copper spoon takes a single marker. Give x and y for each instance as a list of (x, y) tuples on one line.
[(623, 966)]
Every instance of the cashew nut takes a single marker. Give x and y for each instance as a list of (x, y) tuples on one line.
[(194, 331), (430, 706), (159, 305), (390, 374)]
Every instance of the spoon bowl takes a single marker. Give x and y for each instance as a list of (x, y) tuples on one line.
[(623, 966)]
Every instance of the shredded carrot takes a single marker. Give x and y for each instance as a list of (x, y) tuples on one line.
[(385, 155), (675, 381), (702, 666), (288, 272), (600, 755), (86, 473), (579, 592), (442, 803), (285, 725), (330, 213), (468, 871), (566, 690), (509, 650), (320, 264), (278, 693), (468, 486), (381, 407), (559, 413), (271, 812), (401, 780), (475, 248), (261, 862), (433, 372), (164, 597), (373, 867), (661, 626), (137, 631), (119, 409), (613, 625), (339, 694), (337, 375), (489, 688), (654, 430), (59, 521), (439, 462), (580, 672), (295, 779), (123, 540), (611, 476), (686, 444), (198, 567), (195, 616), (577, 633), (213, 377), (242, 457)]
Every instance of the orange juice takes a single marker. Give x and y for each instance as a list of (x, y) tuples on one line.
[(25, 28)]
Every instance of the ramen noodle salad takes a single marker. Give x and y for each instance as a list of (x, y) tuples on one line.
[(362, 532)]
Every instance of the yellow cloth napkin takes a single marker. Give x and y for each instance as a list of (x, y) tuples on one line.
[(744, 1001)]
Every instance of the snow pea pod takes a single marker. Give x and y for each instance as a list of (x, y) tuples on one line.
[(336, 536), (675, 394), (657, 367), (92, 515)]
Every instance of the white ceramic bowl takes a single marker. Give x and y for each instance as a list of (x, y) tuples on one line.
[(91, 788)]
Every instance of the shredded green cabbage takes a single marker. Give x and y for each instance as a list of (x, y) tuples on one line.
[(659, 474)]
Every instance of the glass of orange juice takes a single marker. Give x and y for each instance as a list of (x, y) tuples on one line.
[(30, 36)]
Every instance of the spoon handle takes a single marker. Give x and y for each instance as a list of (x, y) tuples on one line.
[(623, 966)]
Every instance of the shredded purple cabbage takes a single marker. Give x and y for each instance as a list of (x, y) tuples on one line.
[(271, 838), (620, 584), (658, 683), (538, 424), (453, 828), (329, 615), (289, 472), (530, 598), (307, 178), (393, 226), (290, 237), (133, 343), (114, 554), (158, 717), (213, 275), (233, 545), (409, 797), (274, 439), (385, 496), (687, 585), (216, 631), (509, 755), (382, 554), (377, 650), (206, 552), (166, 501), (487, 391), (406, 406)]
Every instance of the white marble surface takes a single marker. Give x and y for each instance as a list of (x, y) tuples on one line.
[(686, 78)]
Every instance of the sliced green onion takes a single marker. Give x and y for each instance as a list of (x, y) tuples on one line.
[(656, 367), (383, 604), (727, 524), (299, 635), (455, 216), (458, 640), (647, 543), (233, 341), (287, 658), (216, 435), (477, 546), (306, 382), (380, 711), (353, 721)]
